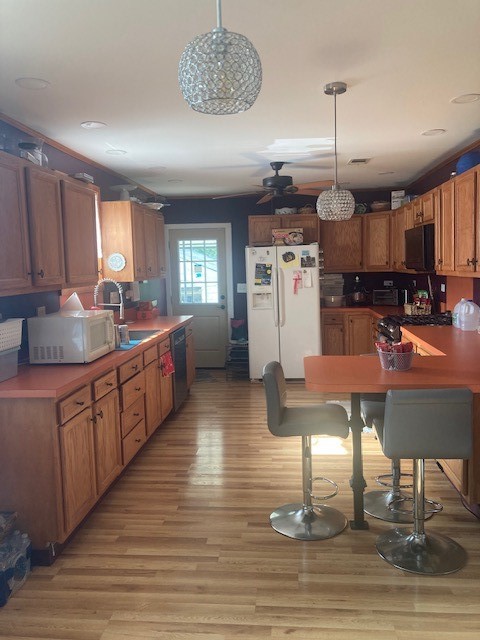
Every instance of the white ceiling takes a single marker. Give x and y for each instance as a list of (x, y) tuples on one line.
[(116, 61)]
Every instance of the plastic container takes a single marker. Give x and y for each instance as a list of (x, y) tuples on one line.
[(10, 333), (8, 363), (466, 315)]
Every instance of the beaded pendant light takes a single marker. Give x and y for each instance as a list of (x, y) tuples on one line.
[(220, 72), (336, 204)]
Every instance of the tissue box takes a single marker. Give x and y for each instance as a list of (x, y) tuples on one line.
[(397, 199)]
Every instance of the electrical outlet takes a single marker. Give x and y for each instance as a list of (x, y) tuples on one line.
[(443, 288), (241, 287), (41, 311), (388, 283), (414, 283)]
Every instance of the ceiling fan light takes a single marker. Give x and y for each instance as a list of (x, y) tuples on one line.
[(220, 72), (336, 204)]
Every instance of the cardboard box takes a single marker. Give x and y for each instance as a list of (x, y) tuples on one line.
[(287, 236)]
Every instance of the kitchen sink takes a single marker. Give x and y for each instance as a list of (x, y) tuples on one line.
[(143, 334)]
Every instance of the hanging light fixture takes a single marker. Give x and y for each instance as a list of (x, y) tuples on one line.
[(220, 72), (336, 204)]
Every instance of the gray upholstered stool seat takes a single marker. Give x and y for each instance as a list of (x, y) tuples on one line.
[(419, 424), (306, 520), (378, 503)]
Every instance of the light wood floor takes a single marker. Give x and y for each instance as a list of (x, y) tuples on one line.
[(181, 547)]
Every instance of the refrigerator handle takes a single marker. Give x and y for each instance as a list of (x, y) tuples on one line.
[(281, 297), (275, 295)]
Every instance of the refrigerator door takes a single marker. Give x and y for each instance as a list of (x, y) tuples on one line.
[(299, 306), (262, 308)]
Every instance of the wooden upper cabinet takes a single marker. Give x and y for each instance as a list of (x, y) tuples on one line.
[(14, 239), (377, 241), (160, 239), (260, 227), (151, 247), (445, 229), (465, 227), (79, 233), (342, 244), (45, 224), (129, 229), (424, 208)]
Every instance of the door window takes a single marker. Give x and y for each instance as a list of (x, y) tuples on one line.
[(198, 271)]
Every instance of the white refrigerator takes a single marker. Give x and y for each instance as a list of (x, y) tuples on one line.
[(283, 307)]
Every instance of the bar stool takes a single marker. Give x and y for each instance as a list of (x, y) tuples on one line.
[(378, 503), (304, 521), (419, 424)]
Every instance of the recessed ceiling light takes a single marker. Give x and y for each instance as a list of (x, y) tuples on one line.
[(385, 173), (92, 124), (116, 152), (433, 132), (466, 98), (174, 181), (32, 83)]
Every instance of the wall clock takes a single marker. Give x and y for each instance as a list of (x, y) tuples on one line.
[(116, 261)]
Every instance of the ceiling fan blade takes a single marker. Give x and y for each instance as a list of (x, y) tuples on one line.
[(309, 192), (319, 184), (265, 198), (237, 195)]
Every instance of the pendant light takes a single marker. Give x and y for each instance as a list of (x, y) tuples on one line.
[(336, 204), (220, 72)]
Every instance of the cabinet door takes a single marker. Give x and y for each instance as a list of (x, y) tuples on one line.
[(359, 334), (46, 231), (377, 242), (14, 241), (260, 229), (138, 231), (424, 208), (160, 240), (79, 233), (464, 186), (445, 229), (153, 405), (108, 452), (151, 249), (333, 335), (342, 244), (308, 222), (78, 468)]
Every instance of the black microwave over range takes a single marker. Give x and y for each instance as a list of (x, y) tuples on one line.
[(420, 248)]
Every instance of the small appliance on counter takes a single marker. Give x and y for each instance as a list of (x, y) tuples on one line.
[(70, 336), (385, 297)]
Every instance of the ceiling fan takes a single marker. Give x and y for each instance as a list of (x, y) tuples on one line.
[(279, 185)]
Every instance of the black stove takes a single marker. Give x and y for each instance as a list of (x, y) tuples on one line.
[(389, 326)]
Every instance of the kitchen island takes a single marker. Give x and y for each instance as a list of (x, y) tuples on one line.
[(453, 362), (69, 430)]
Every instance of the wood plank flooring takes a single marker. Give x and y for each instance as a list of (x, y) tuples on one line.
[(181, 547)]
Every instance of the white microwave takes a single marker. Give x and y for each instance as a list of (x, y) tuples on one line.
[(70, 336)]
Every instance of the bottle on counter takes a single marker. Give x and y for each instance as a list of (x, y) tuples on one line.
[(466, 315)]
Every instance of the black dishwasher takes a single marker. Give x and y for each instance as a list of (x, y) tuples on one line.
[(179, 355)]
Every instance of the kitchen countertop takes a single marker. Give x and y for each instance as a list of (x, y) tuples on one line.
[(57, 380)]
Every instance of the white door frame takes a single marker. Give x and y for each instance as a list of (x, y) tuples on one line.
[(228, 258)]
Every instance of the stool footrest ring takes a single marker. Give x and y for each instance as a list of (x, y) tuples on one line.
[(379, 480), (319, 499), (436, 506)]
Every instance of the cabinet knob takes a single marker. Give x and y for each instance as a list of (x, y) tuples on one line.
[(41, 273), (138, 439), (100, 414), (138, 388), (136, 415), (109, 384), (134, 367), (471, 262), (80, 403)]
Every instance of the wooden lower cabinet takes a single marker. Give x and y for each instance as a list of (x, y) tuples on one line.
[(106, 431), (190, 356), (347, 333), (166, 380), (153, 398), (78, 468)]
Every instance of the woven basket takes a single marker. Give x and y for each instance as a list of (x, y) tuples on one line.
[(395, 361), (417, 309), (10, 333)]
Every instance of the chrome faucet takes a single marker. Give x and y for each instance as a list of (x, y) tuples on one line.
[(112, 304)]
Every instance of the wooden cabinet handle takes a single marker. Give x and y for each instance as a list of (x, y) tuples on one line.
[(138, 388), (80, 403), (138, 439), (136, 415), (134, 367), (41, 273), (471, 262), (109, 384)]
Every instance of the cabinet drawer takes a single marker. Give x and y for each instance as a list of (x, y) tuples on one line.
[(132, 415), (130, 368), (149, 355), (163, 346), (132, 390), (104, 384), (75, 403), (133, 442), (333, 318)]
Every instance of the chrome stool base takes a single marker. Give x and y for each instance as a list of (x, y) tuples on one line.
[(308, 523), (428, 554), (379, 505)]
